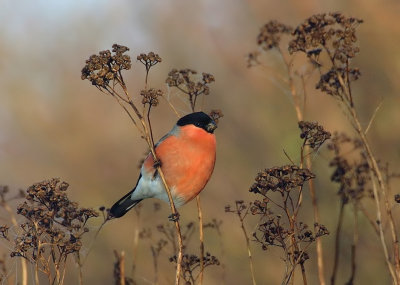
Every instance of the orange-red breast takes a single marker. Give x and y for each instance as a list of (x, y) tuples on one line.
[(187, 157)]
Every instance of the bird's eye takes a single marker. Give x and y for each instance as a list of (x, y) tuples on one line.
[(197, 124)]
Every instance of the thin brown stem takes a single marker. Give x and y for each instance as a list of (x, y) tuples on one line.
[(15, 224), (381, 232), (201, 238), (376, 173), (300, 117), (246, 236), (147, 135), (354, 247), (337, 243)]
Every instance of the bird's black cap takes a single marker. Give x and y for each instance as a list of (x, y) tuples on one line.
[(199, 119)]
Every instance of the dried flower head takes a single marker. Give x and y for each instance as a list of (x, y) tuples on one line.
[(149, 60), (216, 115), (52, 219), (4, 232), (191, 265), (353, 176), (271, 33), (313, 134), (281, 179), (252, 59), (333, 32), (183, 80), (106, 66), (150, 96)]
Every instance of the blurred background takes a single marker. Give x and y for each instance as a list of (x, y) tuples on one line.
[(53, 124)]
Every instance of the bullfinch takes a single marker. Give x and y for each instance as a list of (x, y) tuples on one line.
[(187, 158)]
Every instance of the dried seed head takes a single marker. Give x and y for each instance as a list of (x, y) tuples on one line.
[(149, 60), (183, 80), (271, 33), (105, 67), (150, 96), (50, 216), (313, 134), (216, 115), (281, 179), (353, 176)]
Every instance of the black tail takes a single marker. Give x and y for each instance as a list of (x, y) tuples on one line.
[(123, 205)]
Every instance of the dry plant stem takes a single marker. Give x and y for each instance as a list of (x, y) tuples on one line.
[(294, 244), (370, 219), (300, 117), (23, 260), (354, 247), (201, 237), (378, 174), (80, 270), (381, 233), (121, 266), (177, 226), (147, 137), (337, 243), (241, 218), (171, 106), (200, 215)]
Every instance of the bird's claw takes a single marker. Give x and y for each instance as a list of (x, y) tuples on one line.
[(174, 217), (157, 163)]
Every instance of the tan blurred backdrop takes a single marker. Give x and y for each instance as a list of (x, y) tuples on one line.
[(53, 124)]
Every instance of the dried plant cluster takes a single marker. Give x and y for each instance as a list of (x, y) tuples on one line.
[(279, 193), (52, 229), (184, 81), (105, 72), (329, 43)]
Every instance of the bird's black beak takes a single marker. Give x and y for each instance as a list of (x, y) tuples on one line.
[(211, 126)]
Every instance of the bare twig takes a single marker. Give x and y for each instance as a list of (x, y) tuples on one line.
[(337, 243), (246, 236), (300, 117), (354, 247), (15, 224), (201, 238)]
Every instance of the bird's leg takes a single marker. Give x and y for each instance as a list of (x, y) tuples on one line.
[(157, 163), (174, 217)]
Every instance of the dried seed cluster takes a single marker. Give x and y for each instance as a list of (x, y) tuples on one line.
[(4, 231), (150, 96), (354, 176), (313, 134), (149, 60), (191, 263), (52, 219), (216, 115), (182, 79), (107, 66), (281, 179), (271, 33), (334, 32)]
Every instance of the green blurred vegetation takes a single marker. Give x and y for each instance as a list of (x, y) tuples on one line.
[(52, 124)]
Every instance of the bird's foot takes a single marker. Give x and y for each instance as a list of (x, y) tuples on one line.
[(174, 217)]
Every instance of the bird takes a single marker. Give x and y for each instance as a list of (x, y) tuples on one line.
[(186, 156)]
